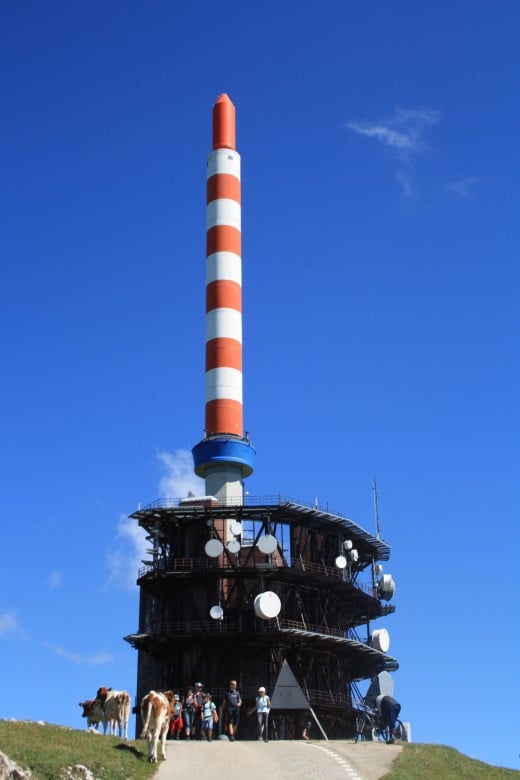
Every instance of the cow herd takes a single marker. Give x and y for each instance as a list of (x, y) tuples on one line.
[(112, 709)]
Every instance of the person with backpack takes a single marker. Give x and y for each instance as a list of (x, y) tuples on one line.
[(209, 716), (231, 704)]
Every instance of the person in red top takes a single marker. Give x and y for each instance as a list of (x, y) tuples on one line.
[(176, 722)]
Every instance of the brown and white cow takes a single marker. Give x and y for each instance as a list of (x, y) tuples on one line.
[(112, 708), (93, 720), (156, 712)]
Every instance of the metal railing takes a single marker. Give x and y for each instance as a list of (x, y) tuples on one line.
[(330, 571), (187, 565), (246, 500), (195, 627)]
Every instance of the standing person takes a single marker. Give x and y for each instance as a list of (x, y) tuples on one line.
[(231, 704), (388, 710), (188, 713), (199, 701), (175, 728), (208, 714), (263, 705)]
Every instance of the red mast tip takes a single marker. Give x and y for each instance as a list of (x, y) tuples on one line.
[(224, 123)]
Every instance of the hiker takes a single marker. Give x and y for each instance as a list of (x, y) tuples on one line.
[(209, 716), (231, 709), (188, 713), (175, 728), (263, 705), (199, 701)]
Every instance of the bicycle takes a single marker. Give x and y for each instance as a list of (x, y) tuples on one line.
[(371, 727)]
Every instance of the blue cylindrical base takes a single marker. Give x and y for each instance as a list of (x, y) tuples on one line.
[(211, 452)]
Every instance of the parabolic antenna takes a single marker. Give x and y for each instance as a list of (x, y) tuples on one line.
[(341, 561), (216, 612), (267, 605), (381, 640), (267, 544), (233, 546), (235, 528), (386, 586), (214, 548)]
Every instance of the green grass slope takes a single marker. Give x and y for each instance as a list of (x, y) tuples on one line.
[(436, 762), (48, 750)]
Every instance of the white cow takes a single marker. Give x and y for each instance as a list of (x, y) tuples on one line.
[(112, 708), (156, 712)]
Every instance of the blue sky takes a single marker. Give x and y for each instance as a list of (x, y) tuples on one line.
[(380, 234)]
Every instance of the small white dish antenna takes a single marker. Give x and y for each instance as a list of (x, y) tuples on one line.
[(233, 546), (267, 605), (341, 561), (267, 544), (214, 548), (236, 528), (381, 640), (216, 612), (348, 545), (354, 555)]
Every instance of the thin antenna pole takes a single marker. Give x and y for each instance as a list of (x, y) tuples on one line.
[(376, 510)]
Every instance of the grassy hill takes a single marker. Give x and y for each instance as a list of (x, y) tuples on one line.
[(48, 750), (436, 762)]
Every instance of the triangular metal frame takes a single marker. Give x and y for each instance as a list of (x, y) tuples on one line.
[(288, 695)]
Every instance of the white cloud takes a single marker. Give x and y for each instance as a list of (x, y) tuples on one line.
[(82, 660), (179, 478), (129, 549), (124, 559), (403, 134), (54, 579), (464, 188), (9, 624)]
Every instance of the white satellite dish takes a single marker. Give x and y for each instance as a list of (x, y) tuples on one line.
[(386, 586), (348, 545), (214, 548), (233, 546), (381, 640), (267, 605), (354, 555), (235, 528), (267, 544), (341, 561), (216, 612)]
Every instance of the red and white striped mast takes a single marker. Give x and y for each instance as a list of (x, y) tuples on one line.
[(224, 457)]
